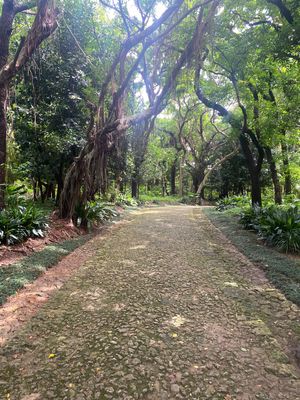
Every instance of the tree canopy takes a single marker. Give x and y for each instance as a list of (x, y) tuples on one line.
[(175, 97)]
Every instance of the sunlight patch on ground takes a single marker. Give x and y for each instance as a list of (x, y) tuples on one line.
[(231, 284), (129, 263), (119, 306), (139, 246), (177, 321), (33, 396)]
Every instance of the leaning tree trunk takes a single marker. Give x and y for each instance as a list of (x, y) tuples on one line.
[(205, 177), (274, 175), (198, 176)]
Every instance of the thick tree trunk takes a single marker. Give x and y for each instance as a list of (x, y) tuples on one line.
[(134, 187), (274, 176), (86, 176), (197, 177), (3, 135), (255, 189), (196, 182)]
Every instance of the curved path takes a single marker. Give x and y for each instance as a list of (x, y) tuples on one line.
[(165, 309)]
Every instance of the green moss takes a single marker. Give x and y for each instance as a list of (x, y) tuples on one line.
[(13, 277)]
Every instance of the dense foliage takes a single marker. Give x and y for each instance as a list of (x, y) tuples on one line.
[(194, 101), (277, 226), (19, 223)]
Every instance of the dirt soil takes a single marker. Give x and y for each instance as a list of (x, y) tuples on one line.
[(162, 308)]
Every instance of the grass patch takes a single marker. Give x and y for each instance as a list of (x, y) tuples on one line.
[(15, 276), (283, 271), (159, 199)]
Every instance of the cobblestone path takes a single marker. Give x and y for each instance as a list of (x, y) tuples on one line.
[(166, 308)]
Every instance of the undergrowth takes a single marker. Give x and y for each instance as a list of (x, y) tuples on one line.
[(277, 226), (282, 270)]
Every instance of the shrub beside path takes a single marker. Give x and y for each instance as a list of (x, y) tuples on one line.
[(165, 308)]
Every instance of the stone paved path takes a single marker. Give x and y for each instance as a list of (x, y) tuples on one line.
[(165, 309)]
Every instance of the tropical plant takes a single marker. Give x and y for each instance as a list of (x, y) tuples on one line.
[(94, 212), (15, 195), (232, 202), (19, 223), (125, 200), (278, 226)]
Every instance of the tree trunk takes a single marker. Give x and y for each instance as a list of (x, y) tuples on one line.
[(34, 186), (173, 178), (274, 175), (42, 193), (224, 189), (59, 190), (49, 190), (204, 176), (3, 136), (164, 186), (118, 182), (254, 169), (286, 169), (196, 182), (181, 164), (197, 177), (255, 189), (134, 187), (60, 182)]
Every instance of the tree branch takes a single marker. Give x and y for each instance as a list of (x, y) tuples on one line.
[(25, 6), (284, 11), (213, 168), (44, 24)]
